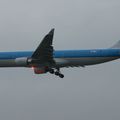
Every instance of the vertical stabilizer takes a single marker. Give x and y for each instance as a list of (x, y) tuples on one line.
[(117, 45)]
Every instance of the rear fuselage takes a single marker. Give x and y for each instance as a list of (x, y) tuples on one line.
[(65, 58)]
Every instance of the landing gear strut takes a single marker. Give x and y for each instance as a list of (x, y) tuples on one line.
[(58, 73)]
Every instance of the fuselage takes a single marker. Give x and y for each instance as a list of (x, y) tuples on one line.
[(64, 58)]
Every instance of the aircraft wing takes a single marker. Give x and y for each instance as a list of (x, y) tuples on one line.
[(44, 52)]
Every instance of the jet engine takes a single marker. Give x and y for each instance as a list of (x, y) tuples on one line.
[(21, 61), (24, 61), (39, 70)]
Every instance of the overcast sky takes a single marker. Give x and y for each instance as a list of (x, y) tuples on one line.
[(91, 93)]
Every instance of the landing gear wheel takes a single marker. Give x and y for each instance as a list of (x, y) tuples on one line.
[(51, 71), (57, 73), (61, 75)]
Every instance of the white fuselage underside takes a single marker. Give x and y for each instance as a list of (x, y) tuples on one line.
[(64, 62)]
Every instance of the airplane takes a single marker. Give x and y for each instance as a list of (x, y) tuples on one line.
[(46, 60)]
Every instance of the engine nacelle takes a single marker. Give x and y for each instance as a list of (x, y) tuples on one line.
[(23, 61), (40, 70)]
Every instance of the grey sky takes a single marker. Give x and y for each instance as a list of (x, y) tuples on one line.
[(90, 93)]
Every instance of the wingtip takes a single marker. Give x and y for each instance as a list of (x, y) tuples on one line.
[(52, 31)]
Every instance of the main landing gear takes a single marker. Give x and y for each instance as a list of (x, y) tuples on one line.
[(57, 72)]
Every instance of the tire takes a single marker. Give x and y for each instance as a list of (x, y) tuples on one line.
[(57, 73), (51, 71), (61, 76)]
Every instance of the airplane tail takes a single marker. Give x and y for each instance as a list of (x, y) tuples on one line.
[(117, 45)]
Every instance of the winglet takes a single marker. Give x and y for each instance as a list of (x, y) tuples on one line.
[(117, 45)]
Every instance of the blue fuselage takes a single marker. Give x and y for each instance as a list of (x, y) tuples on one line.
[(65, 58)]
